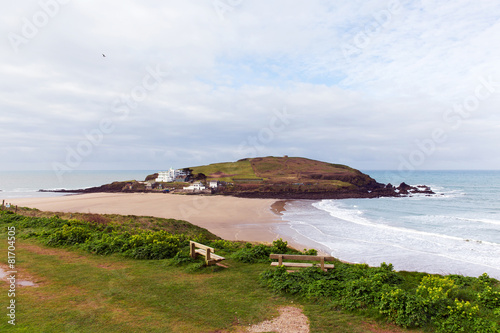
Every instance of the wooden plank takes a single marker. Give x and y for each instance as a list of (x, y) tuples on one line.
[(201, 246), (212, 255), (301, 264), (292, 264), (301, 257)]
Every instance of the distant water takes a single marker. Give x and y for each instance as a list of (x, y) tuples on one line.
[(25, 184), (456, 231)]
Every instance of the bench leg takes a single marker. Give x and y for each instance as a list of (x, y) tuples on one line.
[(207, 259), (192, 250)]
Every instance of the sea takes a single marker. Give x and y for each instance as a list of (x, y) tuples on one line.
[(455, 231), (27, 184)]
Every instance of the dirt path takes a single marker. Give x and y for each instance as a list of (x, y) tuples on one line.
[(290, 320)]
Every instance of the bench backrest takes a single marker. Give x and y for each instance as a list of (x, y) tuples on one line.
[(201, 246), (301, 257)]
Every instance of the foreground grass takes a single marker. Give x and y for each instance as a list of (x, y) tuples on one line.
[(85, 293), (78, 291)]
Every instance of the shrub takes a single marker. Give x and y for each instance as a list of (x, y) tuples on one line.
[(463, 317), (257, 253), (360, 293), (430, 301), (279, 246), (153, 245), (69, 236), (310, 252), (224, 245), (489, 298)]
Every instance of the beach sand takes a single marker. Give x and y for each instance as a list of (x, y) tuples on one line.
[(230, 218)]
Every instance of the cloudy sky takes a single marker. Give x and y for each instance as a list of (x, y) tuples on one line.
[(371, 84)]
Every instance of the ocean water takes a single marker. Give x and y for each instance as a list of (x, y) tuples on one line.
[(456, 231), (26, 184)]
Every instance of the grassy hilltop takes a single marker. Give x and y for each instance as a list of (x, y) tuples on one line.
[(291, 177), (285, 170)]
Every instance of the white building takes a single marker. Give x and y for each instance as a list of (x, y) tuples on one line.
[(214, 183), (170, 175), (195, 187)]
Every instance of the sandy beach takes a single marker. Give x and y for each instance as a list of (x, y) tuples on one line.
[(228, 217)]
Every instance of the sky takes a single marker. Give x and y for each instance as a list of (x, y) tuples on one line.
[(149, 85)]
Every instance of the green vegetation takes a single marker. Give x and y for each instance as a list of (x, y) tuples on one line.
[(103, 236), (89, 280), (285, 176), (436, 303), (283, 170), (227, 171)]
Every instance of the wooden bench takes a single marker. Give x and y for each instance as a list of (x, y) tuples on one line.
[(208, 252), (321, 259)]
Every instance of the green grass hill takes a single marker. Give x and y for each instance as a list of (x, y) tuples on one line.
[(287, 177)]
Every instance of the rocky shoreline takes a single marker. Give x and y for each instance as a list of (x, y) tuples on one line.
[(403, 190), (373, 191)]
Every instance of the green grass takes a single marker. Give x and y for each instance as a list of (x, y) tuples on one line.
[(82, 292), (227, 171)]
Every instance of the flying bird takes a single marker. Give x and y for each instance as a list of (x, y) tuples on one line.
[(104, 55)]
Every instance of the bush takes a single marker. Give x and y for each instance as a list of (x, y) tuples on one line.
[(249, 255), (430, 301), (153, 245), (489, 298), (68, 236), (220, 244), (310, 252), (463, 317), (279, 246), (419, 301), (96, 235)]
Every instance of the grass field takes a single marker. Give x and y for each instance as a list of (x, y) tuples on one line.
[(78, 290), (81, 292)]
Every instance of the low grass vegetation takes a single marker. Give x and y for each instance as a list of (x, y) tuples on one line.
[(112, 273), (227, 171)]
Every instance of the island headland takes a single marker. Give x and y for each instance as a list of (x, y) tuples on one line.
[(265, 177)]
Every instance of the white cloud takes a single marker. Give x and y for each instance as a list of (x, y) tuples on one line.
[(225, 75)]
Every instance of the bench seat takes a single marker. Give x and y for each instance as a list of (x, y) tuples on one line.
[(301, 264), (301, 257), (208, 252), (213, 256)]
